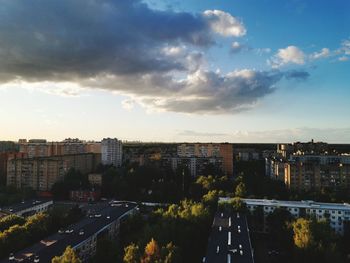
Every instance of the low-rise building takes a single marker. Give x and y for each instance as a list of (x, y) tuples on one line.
[(28, 207), (336, 213), (82, 236)]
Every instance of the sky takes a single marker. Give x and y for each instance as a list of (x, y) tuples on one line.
[(175, 71)]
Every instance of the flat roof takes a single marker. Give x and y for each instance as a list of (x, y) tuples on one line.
[(55, 244), (297, 204), (24, 205)]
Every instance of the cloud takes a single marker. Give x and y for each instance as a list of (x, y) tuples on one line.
[(224, 23), (345, 47), (128, 104), (343, 58), (288, 55), (191, 133), (261, 51), (155, 57), (325, 52), (297, 74), (237, 47), (331, 135)]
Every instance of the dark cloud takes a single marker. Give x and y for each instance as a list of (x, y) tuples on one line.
[(71, 39), (155, 57), (297, 74)]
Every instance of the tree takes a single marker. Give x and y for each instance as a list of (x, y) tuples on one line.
[(303, 237), (68, 256), (152, 252), (131, 254), (233, 205), (170, 253), (240, 190)]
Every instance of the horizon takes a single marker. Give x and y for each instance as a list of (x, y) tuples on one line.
[(176, 71)]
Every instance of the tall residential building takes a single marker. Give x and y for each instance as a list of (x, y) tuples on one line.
[(317, 172), (40, 173), (42, 148), (112, 152), (209, 150)]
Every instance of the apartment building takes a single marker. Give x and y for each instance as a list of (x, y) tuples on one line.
[(209, 150), (42, 148), (112, 152), (336, 213), (317, 172), (40, 173), (197, 166), (82, 236)]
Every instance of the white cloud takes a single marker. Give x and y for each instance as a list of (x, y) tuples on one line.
[(261, 51), (288, 55), (128, 104), (236, 47), (346, 46), (64, 89), (224, 23), (343, 58), (325, 52)]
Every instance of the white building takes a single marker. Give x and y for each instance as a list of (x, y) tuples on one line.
[(335, 213), (112, 152)]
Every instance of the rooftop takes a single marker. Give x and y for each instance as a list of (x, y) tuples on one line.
[(24, 205), (300, 204), (55, 244)]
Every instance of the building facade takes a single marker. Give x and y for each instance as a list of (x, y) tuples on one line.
[(317, 172), (112, 152), (336, 214), (42, 148), (209, 150), (40, 173)]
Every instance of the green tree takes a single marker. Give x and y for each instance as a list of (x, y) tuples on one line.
[(241, 190), (68, 256), (131, 254)]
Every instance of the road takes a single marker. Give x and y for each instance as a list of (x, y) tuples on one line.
[(229, 240)]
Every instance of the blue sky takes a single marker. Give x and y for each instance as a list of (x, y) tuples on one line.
[(236, 71)]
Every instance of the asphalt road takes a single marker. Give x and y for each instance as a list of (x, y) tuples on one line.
[(229, 240)]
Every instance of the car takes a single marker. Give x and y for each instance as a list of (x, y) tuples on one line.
[(60, 231), (11, 256), (98, 215), (69, 231), (36, 259), (240, 246), (108, 217), (241, 252), (81, 232)]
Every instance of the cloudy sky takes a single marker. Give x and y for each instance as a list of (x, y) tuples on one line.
[(236, 71)]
